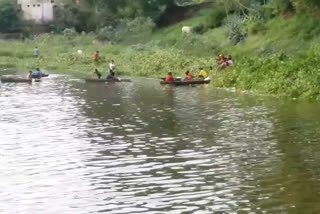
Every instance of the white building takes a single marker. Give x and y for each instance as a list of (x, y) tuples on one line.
[(39, 11)]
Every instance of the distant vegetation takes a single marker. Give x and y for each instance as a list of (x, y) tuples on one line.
[(10, 21)]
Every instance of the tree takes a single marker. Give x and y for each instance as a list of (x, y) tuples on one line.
[(10, 21)]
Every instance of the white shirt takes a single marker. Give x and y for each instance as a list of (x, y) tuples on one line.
[(112, 66), (36, 52)]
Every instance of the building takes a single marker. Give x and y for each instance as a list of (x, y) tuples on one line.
[(39, 11)]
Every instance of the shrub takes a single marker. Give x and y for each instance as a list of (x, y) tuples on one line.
[(257, 27), (141, 25), (235, 27), (215, 18), (69, 32), (199, 29), (106, 33), (138, 27)]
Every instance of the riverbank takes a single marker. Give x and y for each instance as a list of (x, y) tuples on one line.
[(58, 53), (271, 60)]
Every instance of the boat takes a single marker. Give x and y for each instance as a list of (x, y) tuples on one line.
[(105, 80), (14, 79), (181, 83)]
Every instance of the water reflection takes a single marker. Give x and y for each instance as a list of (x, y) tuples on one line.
[(143, 148)]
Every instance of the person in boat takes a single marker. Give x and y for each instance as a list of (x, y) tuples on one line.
[(203, 74), (112, 76), (96, 57), (169, 78), (112, 66), (29, 75), (37, 74), (188, 77), (96, 72)]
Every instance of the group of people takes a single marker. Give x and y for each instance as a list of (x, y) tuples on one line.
[(203, 75), (224, 62), (112, 72)]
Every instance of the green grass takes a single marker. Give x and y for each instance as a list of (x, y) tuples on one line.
[(59, 54)]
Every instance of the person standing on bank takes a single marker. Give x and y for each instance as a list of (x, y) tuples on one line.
[(36, 52), (112, 66), (96, 57), (97, 72)]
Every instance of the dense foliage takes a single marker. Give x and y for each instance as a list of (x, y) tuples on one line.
[(92, 15), (10, 21)]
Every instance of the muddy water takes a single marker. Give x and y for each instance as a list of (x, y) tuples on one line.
[(70, 147)]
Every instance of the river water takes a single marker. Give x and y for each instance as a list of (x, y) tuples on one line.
[(70, 147)]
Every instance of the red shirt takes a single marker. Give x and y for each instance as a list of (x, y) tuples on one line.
[(95, 56), (188, 77), (169, 79)]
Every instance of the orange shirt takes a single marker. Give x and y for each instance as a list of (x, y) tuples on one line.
[(223, 61)]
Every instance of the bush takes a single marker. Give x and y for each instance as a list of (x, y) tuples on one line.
[(308, 27), (69, 32), (215, 18), (106, 33), (257, 27), (199, 29), (141, 25), (138, 27), (66, 17), (235, 26)]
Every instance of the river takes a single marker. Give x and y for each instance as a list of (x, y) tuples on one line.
[(70, 147)]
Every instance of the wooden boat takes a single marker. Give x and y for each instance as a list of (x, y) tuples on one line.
[(181, 83), (14, 79), (105, 80)]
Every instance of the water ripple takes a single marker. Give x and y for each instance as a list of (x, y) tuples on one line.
[(68, 147)]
